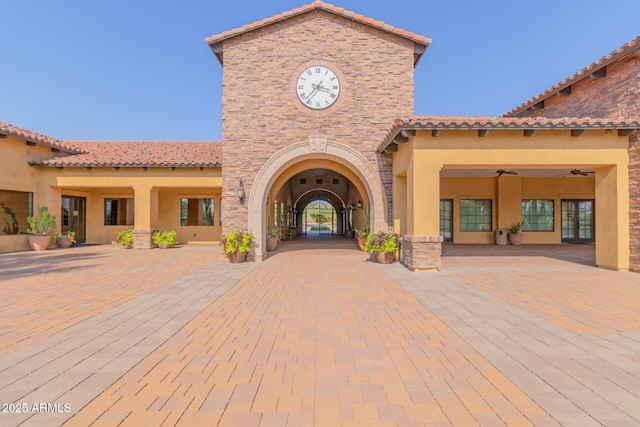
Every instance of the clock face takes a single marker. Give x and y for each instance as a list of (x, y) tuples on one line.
[(318, 87)]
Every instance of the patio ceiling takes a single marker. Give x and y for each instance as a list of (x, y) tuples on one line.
[(489, 172)]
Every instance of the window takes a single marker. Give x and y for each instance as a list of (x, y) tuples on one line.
[(336, 181), (537, 215), (318, 180), (303, 180), (196, 211), (118, 212), (475, 215), (15, 207)]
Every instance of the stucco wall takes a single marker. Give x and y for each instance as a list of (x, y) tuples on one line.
[(261, 113)]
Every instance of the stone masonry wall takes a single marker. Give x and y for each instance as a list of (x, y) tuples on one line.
[(634, 202), (615, 95), (262, 114)]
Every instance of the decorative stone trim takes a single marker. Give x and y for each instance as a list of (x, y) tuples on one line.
[(143, 239), (422, 253)]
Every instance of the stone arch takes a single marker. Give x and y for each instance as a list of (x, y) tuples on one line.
[(316, 148)]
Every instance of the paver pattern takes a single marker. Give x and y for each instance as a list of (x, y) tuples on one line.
[(318, 335), (46, 292), (333, 342)]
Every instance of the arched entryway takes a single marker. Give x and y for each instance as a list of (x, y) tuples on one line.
[(325, 162)]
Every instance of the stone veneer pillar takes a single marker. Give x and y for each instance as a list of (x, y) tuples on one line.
[(634, 202), (143, 239), (422, 253)]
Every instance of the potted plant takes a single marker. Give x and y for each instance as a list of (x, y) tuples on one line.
[(39, 227), (237, 245), (65, 240), (364, 233), (125, 238), (273, 238), (515, 237), (382, 247), (165, 239)]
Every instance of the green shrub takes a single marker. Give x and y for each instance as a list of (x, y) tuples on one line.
[(165, 238), (237, 241), (382, 242), (125, 238)]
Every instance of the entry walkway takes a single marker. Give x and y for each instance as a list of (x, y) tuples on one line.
[(321, 336)]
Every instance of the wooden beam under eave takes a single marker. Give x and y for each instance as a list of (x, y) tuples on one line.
[(31, 144), (483, 132), (399, 139), (565, 92), (627, 132), (598, 74), (435, 133), (116, 168), (538, 106), (529, 132), (88, 168), (2, 136), (391, 148), (408, 133), (578, 132)]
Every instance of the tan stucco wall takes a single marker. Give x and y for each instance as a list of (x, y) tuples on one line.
[(507, 193), (603, 151), (17, 175), (157, 193)]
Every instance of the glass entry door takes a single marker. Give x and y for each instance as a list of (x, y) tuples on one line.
[(577, 221), (73, 217), (446, 219)]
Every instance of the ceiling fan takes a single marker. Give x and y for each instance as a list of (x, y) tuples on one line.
[(579, 172), (501, 172), (576, 172)]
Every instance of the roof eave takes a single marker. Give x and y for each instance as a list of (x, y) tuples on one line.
[(401, 133)]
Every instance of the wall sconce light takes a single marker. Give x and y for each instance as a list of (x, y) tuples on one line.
[(240, 191), (359, 204), (351, 207)]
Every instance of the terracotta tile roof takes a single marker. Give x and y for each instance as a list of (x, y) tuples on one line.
[(27, 135), (318, 5), (504, 123), (602, 62), (138, 154)]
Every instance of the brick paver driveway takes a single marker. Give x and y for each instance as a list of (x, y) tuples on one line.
[(318, 336)]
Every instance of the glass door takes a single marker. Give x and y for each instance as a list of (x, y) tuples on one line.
[(446, 219), (577, 221), (73, 216)]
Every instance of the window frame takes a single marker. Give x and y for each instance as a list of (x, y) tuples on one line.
[(479, 227), (184, 220), (126, 214), (526, 224)]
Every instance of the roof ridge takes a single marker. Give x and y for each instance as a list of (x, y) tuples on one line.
[(316, 5)]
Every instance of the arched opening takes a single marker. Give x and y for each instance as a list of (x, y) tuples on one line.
[(301, 173), (319, 217)]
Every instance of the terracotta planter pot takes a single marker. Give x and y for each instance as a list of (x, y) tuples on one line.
[(63, 242), (272, 244), (515, 239), (164, 245), (237, 257), (39, 243), (361, 242), (384, 258)]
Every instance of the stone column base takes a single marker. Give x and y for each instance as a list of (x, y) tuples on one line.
[(143, 239), (422, 253)]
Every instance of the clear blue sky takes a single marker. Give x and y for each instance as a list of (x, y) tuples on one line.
[(140, 70)]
